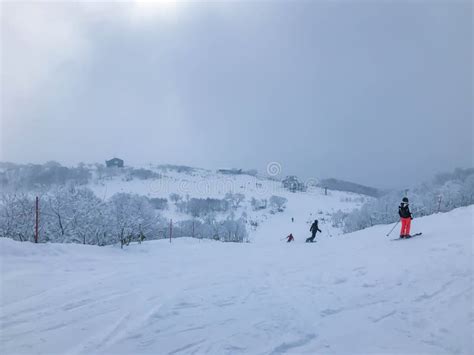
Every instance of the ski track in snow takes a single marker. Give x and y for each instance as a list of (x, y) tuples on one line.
[(355, 293)]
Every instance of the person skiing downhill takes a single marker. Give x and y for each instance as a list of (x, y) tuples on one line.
[(290, 238), (314, 228), (405, 218)]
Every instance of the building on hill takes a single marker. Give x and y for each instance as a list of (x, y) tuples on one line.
[(114, 163)]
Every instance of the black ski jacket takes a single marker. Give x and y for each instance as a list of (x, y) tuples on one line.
[(404, 211), (314, 228)]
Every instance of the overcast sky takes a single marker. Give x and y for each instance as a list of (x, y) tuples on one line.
[(378, 93)]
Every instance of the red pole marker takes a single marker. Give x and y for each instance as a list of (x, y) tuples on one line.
[(36, 218)]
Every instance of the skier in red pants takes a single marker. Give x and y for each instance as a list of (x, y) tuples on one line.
[(405, 218)]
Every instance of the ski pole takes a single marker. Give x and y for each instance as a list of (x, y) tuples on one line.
[(391, 230)]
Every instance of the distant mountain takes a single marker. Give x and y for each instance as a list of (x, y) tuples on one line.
[(341, 185)]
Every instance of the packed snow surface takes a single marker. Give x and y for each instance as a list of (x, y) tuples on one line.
[(356, 293)]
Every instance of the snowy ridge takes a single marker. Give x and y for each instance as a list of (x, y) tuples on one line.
[(356, 293)]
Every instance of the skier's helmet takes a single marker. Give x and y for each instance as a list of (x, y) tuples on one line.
[(405, 199)]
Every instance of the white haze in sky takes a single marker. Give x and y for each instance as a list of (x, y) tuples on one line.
[(376, 93)]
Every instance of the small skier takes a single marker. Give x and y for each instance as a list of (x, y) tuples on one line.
[(290, 238), (314, 228), (405, 218)]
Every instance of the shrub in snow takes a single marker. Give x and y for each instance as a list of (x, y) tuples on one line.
[(143, 174), (258, 204), (234, 200), (159, 203), (234, 231), (175, 198), (277, 203), (229, 230), (253, 224), (178, 168), (338, 218), (199, 207)]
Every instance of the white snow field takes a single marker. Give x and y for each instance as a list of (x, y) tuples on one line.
[(358, 293)]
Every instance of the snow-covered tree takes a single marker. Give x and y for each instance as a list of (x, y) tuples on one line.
[(443, 193), (258, 204), (128, 215), (175, 198), (234, 231), (234, 200), (277, 203), (17, 216)]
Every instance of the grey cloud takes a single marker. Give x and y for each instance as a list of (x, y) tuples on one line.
[(375, 93)]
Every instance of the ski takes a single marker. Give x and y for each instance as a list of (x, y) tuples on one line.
[(411, 236)]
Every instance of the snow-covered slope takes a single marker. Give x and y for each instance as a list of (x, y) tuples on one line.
[(303, 207), (357, 293), (262, 224)]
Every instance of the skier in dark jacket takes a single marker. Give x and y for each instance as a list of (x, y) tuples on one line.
[(405, 218), (314, 228), (290, 238)]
